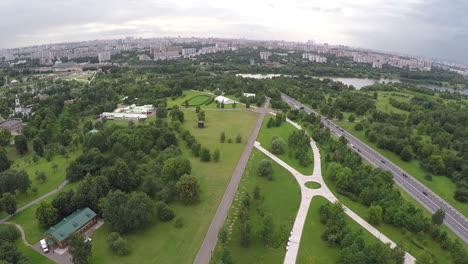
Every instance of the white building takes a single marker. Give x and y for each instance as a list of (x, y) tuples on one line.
[(265, 55), (104, 56), (132, 112), (221, 99), (249, 94)]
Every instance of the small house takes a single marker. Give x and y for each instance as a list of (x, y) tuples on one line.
[(80, 221), (201, 124)]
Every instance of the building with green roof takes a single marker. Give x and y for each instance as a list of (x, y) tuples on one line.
[(80, 221)]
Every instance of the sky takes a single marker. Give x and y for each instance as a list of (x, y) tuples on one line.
[(431, 28)]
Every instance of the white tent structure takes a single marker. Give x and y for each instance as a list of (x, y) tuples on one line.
[(221, 99)]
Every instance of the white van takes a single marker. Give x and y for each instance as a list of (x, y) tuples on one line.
[(44, 246)]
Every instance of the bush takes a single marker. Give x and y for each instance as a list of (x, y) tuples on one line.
[(165, 213), (265, 169), (205, 155), (9, 233), (358, 127), (238, 138), (179, 222), (117, 244), (278, 145)]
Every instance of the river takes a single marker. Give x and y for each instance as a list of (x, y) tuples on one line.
[(358, 83)]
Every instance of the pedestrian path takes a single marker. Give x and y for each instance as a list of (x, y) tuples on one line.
[(306, 197)]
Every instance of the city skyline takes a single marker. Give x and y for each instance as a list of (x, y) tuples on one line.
[(432, 29)]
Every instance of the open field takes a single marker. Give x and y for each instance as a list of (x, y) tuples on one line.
[(27, 219), (279, 198), (188, 94), (283, 132), (441, 185), (163, 242), (55, 176)]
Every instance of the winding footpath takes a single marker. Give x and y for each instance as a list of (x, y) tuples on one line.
[(211, 237), (306, 197), (26, 206)]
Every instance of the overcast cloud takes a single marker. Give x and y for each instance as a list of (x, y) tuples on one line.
[(432, 28)]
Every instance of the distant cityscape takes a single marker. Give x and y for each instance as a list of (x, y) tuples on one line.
[(174, 48)]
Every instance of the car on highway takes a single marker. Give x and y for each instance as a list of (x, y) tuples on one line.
[(425, 193), (358, 150), (404, 175), (383, 161)]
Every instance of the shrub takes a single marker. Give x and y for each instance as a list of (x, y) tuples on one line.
[(265, 168), (165, 213), (179, 222), (117, 244)]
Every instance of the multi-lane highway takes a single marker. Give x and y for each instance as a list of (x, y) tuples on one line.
[(453, 219)]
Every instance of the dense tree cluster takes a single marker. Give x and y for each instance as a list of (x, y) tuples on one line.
[(353, 247)]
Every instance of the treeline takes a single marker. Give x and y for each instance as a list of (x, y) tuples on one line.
[(352, 245), (9, 253)]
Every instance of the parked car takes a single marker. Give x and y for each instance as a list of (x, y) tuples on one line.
[(44, 246)]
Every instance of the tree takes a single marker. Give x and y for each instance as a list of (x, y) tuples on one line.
[(161, 112), (226, 257), (223, 137), (201, 115), (256, 192), (12, 181), (375, 214), (38, 146), (222, 104), (340, 116), (216, 155), (4, 162), (438, 217), (406, 154), (271, 122), (278, 145), (267, 229), (127, 212), (278, 119), (234, 105), (5, 137), (223, 234), (205, 155), (351, 118), (46, 214), (165, 213), (174, 168), (41, 176), (188, 189), (63, 203), (358, 127), (245, 234), (265, 168), (117, 244), (238, 138), (197, 109), (79, 248), (21, 144), (121, 177), (9, 203), (87, 126)]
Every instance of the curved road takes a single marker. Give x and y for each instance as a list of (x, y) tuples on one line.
[(24, 207), (453, 219)]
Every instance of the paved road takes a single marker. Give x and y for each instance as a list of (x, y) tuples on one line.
[(453, 219), (306, 197), (211, 237), (24, 207)]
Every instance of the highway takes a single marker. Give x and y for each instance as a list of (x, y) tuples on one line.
[(453, 219)]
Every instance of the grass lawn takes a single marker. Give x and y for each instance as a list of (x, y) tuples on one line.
[(312, 185), (188, 94), (199, 100), (313, 249), (416, 244), (280, 199), (265, 135), (55, 177), (441, 185), (27, 219), (162, 242)]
